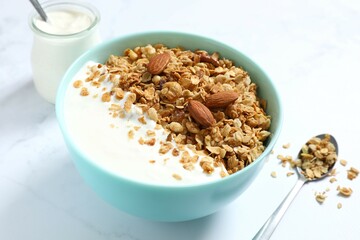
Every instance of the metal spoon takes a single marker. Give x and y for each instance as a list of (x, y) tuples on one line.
[(268, 228), (39, 9)]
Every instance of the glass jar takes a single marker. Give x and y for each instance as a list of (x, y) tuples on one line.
[(53, 53)]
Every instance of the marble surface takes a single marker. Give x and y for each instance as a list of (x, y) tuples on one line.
[(311, 50)]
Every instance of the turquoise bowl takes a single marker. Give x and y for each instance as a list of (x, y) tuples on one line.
[(169, 203)]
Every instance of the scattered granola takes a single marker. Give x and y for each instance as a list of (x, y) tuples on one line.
[(84, 91), (339, 205), (332, 180), (287, 160), (175, 152), (77, 84), (177, 176), (106, 97), (131, 134), (150, 142), (343, 162), (320, 197), (273, 174), (142, 120), (333, 172), (150, 133), (352, 173), (286, 146), (344, 191), (141, 141), (165, 147)]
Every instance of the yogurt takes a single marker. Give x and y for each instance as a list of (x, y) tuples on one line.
[(63, 22), (71, 30), (113, 142)]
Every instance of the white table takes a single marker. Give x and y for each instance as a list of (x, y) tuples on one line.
[(311, 50)]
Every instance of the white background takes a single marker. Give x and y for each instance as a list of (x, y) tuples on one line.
[(310, 49)]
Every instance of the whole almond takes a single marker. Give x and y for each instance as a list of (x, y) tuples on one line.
[(158, 63), (201, 114), (221, 99)]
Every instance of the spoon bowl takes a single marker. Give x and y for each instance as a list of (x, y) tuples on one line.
[(300, 171)]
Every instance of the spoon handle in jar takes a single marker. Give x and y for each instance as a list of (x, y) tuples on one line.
[(39, 9), (268, 228)]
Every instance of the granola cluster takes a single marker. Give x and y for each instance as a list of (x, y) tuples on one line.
[(163, 93)]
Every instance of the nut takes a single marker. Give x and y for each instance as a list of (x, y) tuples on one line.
[(221, 99), (209, 59), (201, 114), (158, 63)]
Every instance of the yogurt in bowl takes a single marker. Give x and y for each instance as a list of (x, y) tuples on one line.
[(140, 140), (127, 143)]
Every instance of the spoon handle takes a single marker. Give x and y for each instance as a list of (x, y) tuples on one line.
[(39, 9), (268, 228)]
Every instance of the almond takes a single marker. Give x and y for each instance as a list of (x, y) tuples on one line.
[(221, 99), (158, 63), (201, 114)]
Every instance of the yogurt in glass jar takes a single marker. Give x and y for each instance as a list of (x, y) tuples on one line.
[(71, 29)]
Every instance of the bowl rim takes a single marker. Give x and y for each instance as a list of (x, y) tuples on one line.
[(59, 105)]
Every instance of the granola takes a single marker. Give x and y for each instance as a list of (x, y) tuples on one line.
[(344, 191), (162, 81), (352, 173), (320, 197), (317, 157)]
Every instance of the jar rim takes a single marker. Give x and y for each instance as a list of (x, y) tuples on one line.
[(53, 3)]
